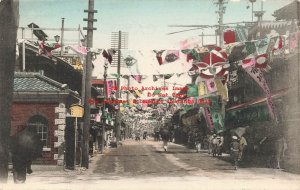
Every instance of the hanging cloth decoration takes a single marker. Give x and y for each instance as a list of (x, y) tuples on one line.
[(129, 57), (258, 76), (214, 64), (111, 87), (138, 78), (108, 54), (159, 56)]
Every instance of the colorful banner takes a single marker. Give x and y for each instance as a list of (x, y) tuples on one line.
[(211, 86), (111, 85), (208, 118), (222, 90), (258, 76), (201, 89)]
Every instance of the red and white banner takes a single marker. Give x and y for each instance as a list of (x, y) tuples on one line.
[(111, 85), (208, 118), (258, 76)]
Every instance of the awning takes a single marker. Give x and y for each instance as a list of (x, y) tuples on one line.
[(256, 101)]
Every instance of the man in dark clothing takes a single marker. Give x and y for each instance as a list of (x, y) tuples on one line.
[(26, 146), (165, 136), (234, 151)]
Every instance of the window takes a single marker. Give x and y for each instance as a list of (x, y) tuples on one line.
[(41, 125)]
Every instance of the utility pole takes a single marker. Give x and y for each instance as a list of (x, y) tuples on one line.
[(221, 11), (103, 119), (62, 36), (119, 41), (9, 22), (87, 79)]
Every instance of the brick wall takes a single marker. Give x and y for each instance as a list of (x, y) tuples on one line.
[(21, 113)]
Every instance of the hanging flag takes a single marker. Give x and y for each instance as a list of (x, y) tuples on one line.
[(159, 56), (211, 86), (108, 54), (261, 61), (156, 92), (262, 46), (81, 51), (248, 62), (171, 56), (192, 90), (222, 89), (218, 120), (208, 118), (250, 47), (293, 41), (258, 76), (111, 87), (156, 77), (229, 36), (201, 89), (46, 49), (138, 78), (278, 45), (238, 52), (168, 76)]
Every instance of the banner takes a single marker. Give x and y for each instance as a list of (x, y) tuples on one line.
[(222, 90), (111, 85), (208, 118), (258, 76)]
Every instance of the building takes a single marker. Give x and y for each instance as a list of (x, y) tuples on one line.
[(43, 103)]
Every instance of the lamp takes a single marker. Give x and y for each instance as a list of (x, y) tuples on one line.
[(56, 38)]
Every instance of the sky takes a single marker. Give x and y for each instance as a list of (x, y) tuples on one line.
[(146, 21)]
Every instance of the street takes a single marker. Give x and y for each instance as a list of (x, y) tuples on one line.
[(144, 165)]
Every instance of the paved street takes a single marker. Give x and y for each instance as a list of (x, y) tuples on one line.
[(144, 165)]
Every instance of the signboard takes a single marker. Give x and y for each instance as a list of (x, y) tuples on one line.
[(60, 110), (60, 121), (76, 110)]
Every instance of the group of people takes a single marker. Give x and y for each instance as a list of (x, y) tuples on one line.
[(216, 143)]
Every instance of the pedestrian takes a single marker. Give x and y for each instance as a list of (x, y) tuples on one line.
[(219, 145), (210, 142), (198, 140), (215, 143), (165, 136), (25, 146), (243, 145), (234, 151)]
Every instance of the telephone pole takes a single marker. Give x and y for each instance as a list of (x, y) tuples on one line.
[(87, 81), (119, 41), (221, 11)]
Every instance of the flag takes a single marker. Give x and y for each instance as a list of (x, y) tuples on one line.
[(159, 56), (211, 86), (81, 51), (208, 118), (111, 86), (192, 90), (238, 52), (168, 76), (107, 54), (201, 89), (222, 89), (258, 76), (171, 56), (261, 61), (248, 62), (138, 78), (250, 47)]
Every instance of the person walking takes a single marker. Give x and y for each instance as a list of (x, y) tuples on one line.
[(165, 136), (234, 151), (25, 146), (198, 141), (243, 144)]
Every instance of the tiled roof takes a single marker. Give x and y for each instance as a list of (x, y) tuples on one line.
[(34, 82)]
